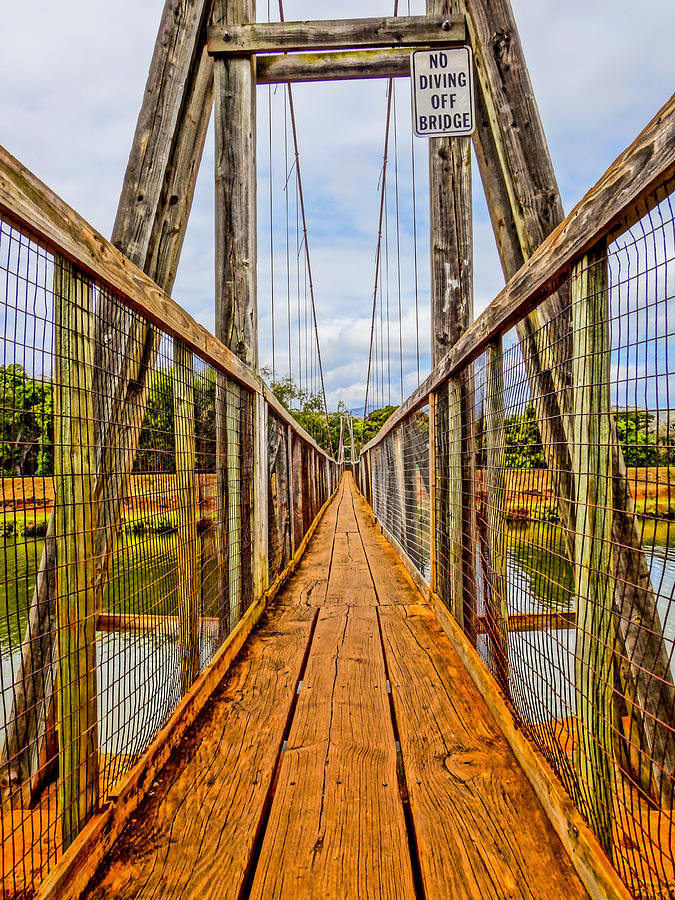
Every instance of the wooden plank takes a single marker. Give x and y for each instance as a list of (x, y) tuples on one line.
[(594, 594), (208, 803), (334, 34), (480, 829), (187, 499), (236, 213), (518, 622), (284, 68), (336, 825), (496, 608), (583, 848), (78, 602), (636, 173), (164, 625)]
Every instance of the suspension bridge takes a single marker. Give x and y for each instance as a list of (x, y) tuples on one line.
[(252, 649)]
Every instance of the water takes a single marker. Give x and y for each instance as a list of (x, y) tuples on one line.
[(542, 662)]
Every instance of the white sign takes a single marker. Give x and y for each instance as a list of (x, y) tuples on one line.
[(442, 83)]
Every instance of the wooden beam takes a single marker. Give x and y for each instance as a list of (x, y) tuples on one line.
[(334, 34), (519, 622), (432, 490), (260, 497), (187, 497), (163, 625), (284, 68), (615, 202), (594, 590), (496, 607), (236, 239), (78, 602), (451, 227)]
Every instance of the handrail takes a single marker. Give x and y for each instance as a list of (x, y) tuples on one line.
[(28, 203), (611, 206)]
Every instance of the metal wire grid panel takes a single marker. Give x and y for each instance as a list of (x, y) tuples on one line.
[(109, 436), (554, 542), (400, 487)]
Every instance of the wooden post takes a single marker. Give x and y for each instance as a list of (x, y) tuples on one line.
[(450, 223), (223, 504), (246, 498), (186, 493), (233, 429), (291, 483), (260, 497), (594, 589), (496, 610), (432, 491), (399, 483), (455, 516), (78, 601), (235, 133)]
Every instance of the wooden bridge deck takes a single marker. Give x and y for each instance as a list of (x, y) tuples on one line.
[(306, 777)]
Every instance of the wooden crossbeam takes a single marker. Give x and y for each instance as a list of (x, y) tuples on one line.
[(341, 34), (342, 65)]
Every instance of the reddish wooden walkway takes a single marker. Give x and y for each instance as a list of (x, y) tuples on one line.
[(347, 754)]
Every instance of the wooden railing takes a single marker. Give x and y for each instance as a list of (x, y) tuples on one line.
[(516, 484), (156, 495)]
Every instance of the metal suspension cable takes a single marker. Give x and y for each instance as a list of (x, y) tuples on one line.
[(398, 248), (378, 251), (298, 176), (415, 272)]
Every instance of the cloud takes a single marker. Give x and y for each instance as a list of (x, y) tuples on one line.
[(71, 88)]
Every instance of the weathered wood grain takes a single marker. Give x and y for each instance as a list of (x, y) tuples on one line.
[(188, 499), (236, 214), (78, 601), (594, 591), (237, 37), (451, 227), (286, 68), (496, 608), (458, 766), (579, 842), (337, 780), (206, 807)]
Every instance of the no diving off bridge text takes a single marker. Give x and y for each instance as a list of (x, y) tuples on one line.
[(442, 92)]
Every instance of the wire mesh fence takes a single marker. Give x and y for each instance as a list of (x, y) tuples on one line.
[(553, 547), (127, 475), (400, 487)]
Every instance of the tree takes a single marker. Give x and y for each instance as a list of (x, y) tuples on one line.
[(524, 449), (26, 423), (637, 439), (306, 407)]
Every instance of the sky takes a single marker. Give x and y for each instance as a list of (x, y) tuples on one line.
[(72, 76)]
